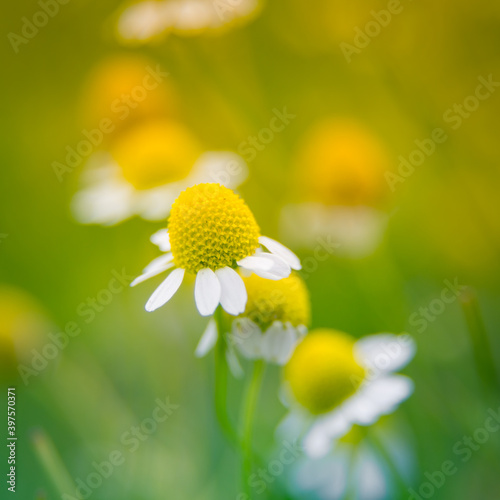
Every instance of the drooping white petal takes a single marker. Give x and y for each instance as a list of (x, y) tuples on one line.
[(318, 441), (153, 272), (208, 339), (233, 297), (155, 267), (207, 291), (278, 342), (282, 251), (377, 398), (234, 363), (385, 352), (166, 290), (266, 265), (246, 337), (161, 239), (370, 476), (328, 477)]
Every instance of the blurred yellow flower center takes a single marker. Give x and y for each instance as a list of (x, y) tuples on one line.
[(286, 300), (156, 153), (323, 371), (341, 163), (210, 226)]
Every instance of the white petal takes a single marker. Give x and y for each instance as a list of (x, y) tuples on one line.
[(319, 440), (266, 265), (159, 262), (155, 267), (282, 251), (234, 364), (370, 476), (161, 239), (207, 291), (385, 353), (233, 297), (208, 339), (247, 338), (378, 398), (166, 290), (153, 272), (278, 343)]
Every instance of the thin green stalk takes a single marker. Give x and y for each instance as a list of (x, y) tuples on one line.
[(221, 376), (52, 462), (248, 412), (481, 346)]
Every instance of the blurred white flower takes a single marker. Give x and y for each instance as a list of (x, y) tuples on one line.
[(146, 20), (334, 382), (144, 172)]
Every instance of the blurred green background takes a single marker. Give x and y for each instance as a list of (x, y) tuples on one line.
[(443, 225)]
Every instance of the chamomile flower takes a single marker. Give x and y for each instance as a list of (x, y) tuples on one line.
[(212, 232), (149, 19), (144, 171), (340, 173), (357, 465), (335, 382), (276, 317)]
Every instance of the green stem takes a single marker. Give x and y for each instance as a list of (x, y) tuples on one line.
[(481, 345), (52, 462), (221, 376), (249, 407)]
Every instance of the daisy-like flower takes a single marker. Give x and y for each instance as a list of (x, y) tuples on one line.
[(340, 172), (356, 465), (150, 19), (335, 382), (276, 317), (212, 232), (144, 171)]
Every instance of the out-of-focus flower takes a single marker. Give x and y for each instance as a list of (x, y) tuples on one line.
[(356, 465), (150, 19), (23, 324), (340, 174), (335, 382), (211, 231), (146, 169), (127, 89), (276, 317)]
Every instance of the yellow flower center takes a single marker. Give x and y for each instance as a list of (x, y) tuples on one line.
[(341, 163), (323, 371), (156, 153), (210, 226), (286, 300)]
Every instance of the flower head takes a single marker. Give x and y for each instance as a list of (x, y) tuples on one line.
[(323, 371), (156, 153), (211, 232), (211, 227), (335, 381)]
